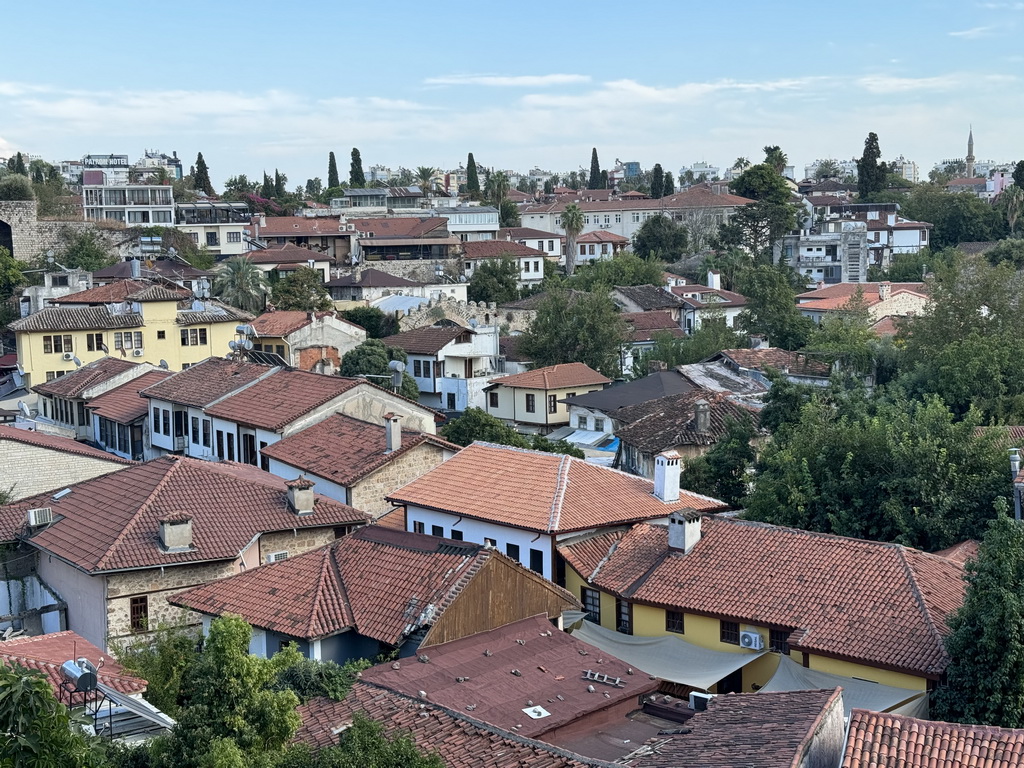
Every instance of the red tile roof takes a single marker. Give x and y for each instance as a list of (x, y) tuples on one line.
[(538, 491), (869, 602), (495, 249), (345, 450), (281, 398), (554, 377), (302, 226), (76, 319), (381, 583), (401, 226), (780, 359), (766, 730), (281, 322), (552, 665), (229, 505), (648, 297), (207, 382), (45, 653), (694, 197), (55, 443), (526, 233), (960, 553), (284, 254), (73, 384), (125, 290), (884, 740), (428, 340), (700, 296), (372, 278), (166, 268), (602, 236), (123, 404), (644, 325), (460, 741), (666, 422), (870, 290)]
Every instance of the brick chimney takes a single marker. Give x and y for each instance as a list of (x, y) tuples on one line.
[(702, 416), (392, 432), (300, 495), (176, 533), (666, 477), (683, 530)]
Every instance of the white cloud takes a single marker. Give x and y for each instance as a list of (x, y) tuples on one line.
[(973, 33), (509, 81), (881, 84)]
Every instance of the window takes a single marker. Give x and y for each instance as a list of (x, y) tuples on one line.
[(220, 444), (450, 401), (166, 427), (456, 535), (234, 237), (618, 218), (490, 542), (128, 340), (526, 266), (279, 349), (138, 613), (492, 399), (537, 561), (195, 430), (512, 550), (604, 247), (592, 251), (417, 368), (193, 337), (779, 640), (581, 422), (212, 238), (729, 633), (586, 219), (552, 403), (94, 342), (195, 237), (231, 446), (417, 527), (57, 344), (551, 246), (206, 432), (161, 335), (636, 217), (437, 530), (598, 424), (624, 617), (59, 281), (531, 403), (156, 421), (674, 622), (607, 219), (591, 600), (583, 249)]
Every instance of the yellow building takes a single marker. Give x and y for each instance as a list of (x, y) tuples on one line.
[(842, 606), (534, 400), (138, 320)]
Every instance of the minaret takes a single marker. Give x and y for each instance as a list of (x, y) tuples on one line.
[(970, 154)]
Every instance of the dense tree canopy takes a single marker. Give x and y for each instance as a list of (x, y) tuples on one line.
[(771, 307), (495, 280), (241, 284), (722, 472), (959, 217), (594, 182), (356, 177), (761, 182), (201, 179), (377, 324), (333, 180), (660, 238), (371, 359), (476, 424), (870, 174), (624, 268), (16, 187), (301, 290), (571, 221), (472, 178)]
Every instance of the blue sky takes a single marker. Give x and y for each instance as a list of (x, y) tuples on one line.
[(260, 85)]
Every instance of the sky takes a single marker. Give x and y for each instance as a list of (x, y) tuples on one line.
[(262, 85)]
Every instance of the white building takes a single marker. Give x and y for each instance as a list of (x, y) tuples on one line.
[(133, 205), (471, 222)]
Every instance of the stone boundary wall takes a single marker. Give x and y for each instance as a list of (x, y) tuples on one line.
[(31, 235), (461, 312)]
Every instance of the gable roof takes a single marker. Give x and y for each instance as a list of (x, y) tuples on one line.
[(379, 582), (124, 404), (125, 290), (526, 233), (644, 325), (849, 290), (229, 504), (281, 398), (601, 236), (345, 450), (495, 249), (459, 740), (554, 377), (766, 730), (206, 381), (73, 384), (648, 297), (700, 296), (693, 197), (537, 491), (666, 422), (650, 387), (401, 226), (774, 357), (288, 253), (280, 322), (165, 268), (372, 278), (302, 226), (460, 674), (428, 340), (76, 319), (866, 601)]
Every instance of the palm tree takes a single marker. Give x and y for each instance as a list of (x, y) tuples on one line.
[(741, 164), (425, 176), (499, 187), (776, 158), (241, 284), (571, 221)]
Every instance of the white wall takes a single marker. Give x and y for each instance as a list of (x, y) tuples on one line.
[(86, 597)]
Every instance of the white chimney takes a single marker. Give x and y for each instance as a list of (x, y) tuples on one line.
[(714, 279), (1015, 462), (683, 530), (392, 432), (884, 289), (300, 495), (666, 477), (176, 533), (702, 416)]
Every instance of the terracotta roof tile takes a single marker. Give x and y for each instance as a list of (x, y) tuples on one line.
[(372, 278), (284, 254), (428, 340), (281, 398), (694, 197), (539, 491), (780, 359), (700, 296), (460, 741), (875, 603), (207, 382), (526, 233), (848, 290), (229, 504), (125, 290), (402, 226), (495, 249), (92, 374), (165, 268), (667, 422), (602, 236), (123, 404), (554, 377), (301, 226), (76, 319), (283, 322), (644, 325), (211, 312), (884, 740)]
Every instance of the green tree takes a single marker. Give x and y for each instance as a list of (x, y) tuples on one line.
[(846, 336), (771, 307), (333, 180), (11, 275), (571, 221), (364, 744), (238, 186), (476, 424), (377, 324), (495, 280), (541, 443), (162, 662), (775, 158), (870, 174), (761, 183), (508, 213), (594, 182), (356, 177), (241, 284), (84, 250), (758, 226), (19, 165), (1009, 251), (302, 290), (712, 337), (202, 176), (624, 268), (783, 402), (657, 181), (587, 330), (722, 472), (35, 728), (280, 183), (496, 188), (1013, 200), (668, 186), (985, 677), (660, 238), (425, 177), (959, 217), (314, 188), (313, 678), (16, 187), (371, 358), (1018, 175), (741, 164), (472, 178), (827, 169)]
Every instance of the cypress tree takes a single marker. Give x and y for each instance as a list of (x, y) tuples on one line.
[(279, 181), (355, 173), (870, 175), (19, 165), (472, 178), (202, 177), (595, 171), (657, 181), (267, 190), (669, 186), (332, 172)]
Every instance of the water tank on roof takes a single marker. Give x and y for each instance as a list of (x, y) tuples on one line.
[(81, 674)]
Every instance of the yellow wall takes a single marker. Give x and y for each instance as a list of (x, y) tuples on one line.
[(157, 316), (884, 676)]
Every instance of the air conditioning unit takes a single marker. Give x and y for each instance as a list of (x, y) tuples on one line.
[(137, 353), (751, 640), (276, 557), (699, 701), (68, 356), (40, 516)]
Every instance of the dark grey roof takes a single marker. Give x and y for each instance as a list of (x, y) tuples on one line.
[(372, 278), (76, 319), (649, 297), (631, 393), (217, 313)]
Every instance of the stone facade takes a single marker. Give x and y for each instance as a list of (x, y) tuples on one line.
[(420, 270), (26, 235), (294, 543), (461, 312), (31, 469), (368, 494)]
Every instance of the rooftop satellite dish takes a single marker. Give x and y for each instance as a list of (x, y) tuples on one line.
[(472, 322), (105, 349), (164, 365)]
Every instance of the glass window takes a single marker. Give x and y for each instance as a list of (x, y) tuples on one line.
[(674, 622), (581, 422), (195, 430), (598, 424), (417, 527), (624, 617), (138, 613), (537, 561), (166, 426), (729, 632), (456, 535), (206, 432), (234, 237), (492, 399), (552, 403), (231, 446), (779, 639), (512, 550), (531, 403), (591, 600), (437, 530)]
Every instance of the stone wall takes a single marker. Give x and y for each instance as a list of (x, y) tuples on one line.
[(484, 313), (31, 469), (420, 270), (30, 235), (368, 494), (294, 542)]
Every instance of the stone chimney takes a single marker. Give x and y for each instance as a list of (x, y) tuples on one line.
[(300, 495), (656, 366), (392, 432), (884, 291), (702, 416), (714, 279), (176, 533), (683, 530), (666, 477)]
